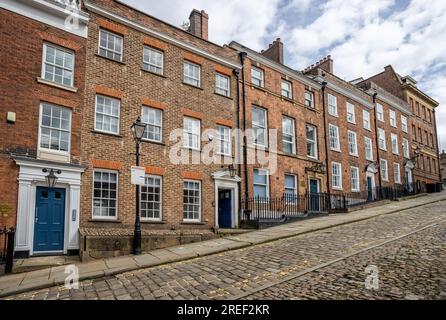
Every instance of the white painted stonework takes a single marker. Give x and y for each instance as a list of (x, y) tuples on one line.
[(223, 181), (30, 177)]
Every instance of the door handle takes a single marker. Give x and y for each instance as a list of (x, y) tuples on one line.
[(36, 218)]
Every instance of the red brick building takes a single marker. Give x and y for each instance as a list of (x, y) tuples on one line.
[(41, 112), (139, 66), (281, 99), (422, 123)]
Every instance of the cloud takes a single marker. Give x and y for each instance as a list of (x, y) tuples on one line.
[(245, 21)]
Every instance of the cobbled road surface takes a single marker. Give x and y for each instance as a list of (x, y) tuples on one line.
[(406, 251)]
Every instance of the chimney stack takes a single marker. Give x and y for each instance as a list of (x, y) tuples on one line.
[(199, 24), (275, 51)]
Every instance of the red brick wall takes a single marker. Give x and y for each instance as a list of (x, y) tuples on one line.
[(21, 55), (136, 87)]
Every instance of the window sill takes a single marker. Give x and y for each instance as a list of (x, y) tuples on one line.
[(192, 86), (336, 150), (338, 188), (311, 108), (154, 73), (290, 100), (222, 95), (56, 85), (354, 155), (254, 86), (154, 142), (152, 222), (107, 134), (110, 59), (105, 221), (193, 223)]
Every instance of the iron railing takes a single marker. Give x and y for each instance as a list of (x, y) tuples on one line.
[(343, 201), (280, 209), (7, 248)]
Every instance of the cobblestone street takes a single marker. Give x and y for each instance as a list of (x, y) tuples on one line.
[(411, 267)]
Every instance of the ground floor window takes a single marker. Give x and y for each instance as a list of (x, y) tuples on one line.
[(261, 183), (105, 192), (150, 199), (191, 200)]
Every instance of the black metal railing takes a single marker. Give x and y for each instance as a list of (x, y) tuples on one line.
[(283, 208), (7, 237), (343, 201)]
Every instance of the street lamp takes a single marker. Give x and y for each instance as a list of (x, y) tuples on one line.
[(138, 131), (51, 178), (232, 171)]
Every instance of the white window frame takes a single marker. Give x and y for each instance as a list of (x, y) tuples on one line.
[(384, 170), (191, 79), (366, 120), (121, 53), (110, 218), (39, 139), (351, 113), (356, 187), (187, 133), (258, 126), (221, 90), (332, 105), (339, 166), (288, 91), (292, 135), (200, 200), (311, 100), (267, 181), (404, 124), (222, 140), (382, 137), (108, 115), (295, 185), (160, 202), (314, 142), (353, 144), (261, 79), (45, 63), (395, 147), (379, 112), (160, 126), (149, 66), (337, 145), (406, 150), (392, 117), (368, 150), (397, 173)]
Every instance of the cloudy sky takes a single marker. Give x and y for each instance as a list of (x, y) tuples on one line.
[(363, 36)]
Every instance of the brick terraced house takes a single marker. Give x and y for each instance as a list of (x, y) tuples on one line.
[(280, 98), (422, 123), (41, 101), (66, 118)]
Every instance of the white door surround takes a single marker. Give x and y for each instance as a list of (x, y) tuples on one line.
[(223, 181), (30, 177)]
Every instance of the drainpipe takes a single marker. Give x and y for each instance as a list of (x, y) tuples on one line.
[(243, 56), (326, 142), (436, 142), (239, 165), (378, 157)]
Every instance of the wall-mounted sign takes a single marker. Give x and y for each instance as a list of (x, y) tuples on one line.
[(138, 176)]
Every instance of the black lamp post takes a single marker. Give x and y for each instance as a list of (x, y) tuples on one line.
[(138, 131), (51, 178)]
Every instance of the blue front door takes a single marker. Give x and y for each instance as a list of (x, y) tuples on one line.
[(225, 209), (49, 220), (369, 189), (314, 198)]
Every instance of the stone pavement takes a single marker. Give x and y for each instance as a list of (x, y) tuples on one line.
[(229, 273)]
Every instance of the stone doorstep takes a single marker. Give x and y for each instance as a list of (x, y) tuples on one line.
[(46, 278)]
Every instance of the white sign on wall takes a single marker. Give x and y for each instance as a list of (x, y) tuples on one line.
[(138, 176)]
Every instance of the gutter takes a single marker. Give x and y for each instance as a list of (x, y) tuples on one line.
[(326, 142), (436, 142), (378, 157), (239, 165), (243, 56)]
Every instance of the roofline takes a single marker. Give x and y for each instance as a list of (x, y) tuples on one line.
[(275, 65), (105, 13), (415, 88)]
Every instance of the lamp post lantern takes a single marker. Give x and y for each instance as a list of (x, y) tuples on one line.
[(138, 131), (51, 178)]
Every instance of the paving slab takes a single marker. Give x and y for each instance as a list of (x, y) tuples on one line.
[(147, 260)]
